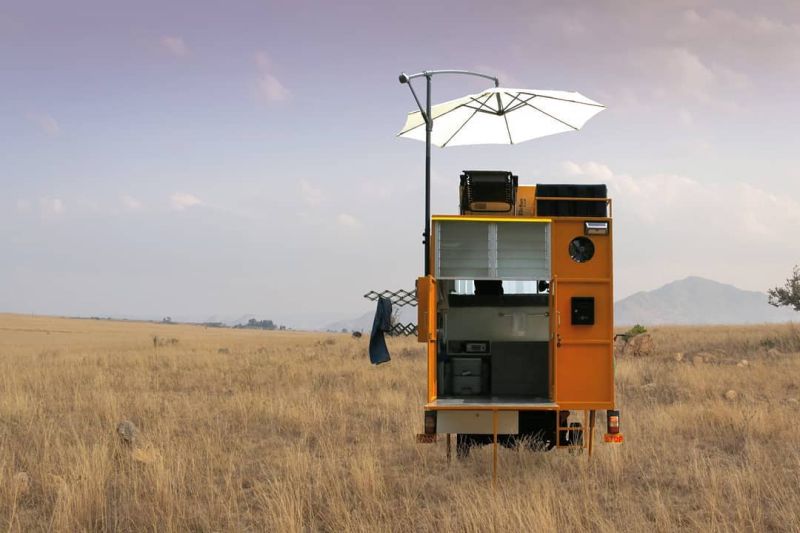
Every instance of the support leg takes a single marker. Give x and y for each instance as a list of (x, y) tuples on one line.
[(592, 417), (449, 454), (584, 440), (494, 448)]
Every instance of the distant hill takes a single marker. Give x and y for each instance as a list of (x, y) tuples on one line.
[(229, 320), (364, 322), (699, 301)]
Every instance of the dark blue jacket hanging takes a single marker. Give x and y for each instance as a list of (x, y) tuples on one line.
[(378, 352)]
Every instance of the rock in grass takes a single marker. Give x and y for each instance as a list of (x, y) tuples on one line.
[(643, 345), (128, 432), (22, 482), (774, 352), (731, 395), (638, 346), (709, 357)]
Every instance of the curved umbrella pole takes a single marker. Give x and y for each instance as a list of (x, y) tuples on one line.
[(426, 115)]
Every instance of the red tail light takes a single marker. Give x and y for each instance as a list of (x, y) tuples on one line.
[(613, 422)]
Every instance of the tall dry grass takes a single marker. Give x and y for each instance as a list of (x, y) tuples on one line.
[(281, 431)]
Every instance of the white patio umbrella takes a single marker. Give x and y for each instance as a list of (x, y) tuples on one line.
[(502, 116)]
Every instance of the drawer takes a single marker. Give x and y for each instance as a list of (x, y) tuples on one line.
[(466, 385), (466, 366), (477, 422)]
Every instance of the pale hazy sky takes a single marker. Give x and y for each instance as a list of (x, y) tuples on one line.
[(219, 158)]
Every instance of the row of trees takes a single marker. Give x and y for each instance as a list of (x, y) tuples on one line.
[(251, 324), (260, 324)]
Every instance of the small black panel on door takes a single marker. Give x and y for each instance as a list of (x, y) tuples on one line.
[(582, 310)]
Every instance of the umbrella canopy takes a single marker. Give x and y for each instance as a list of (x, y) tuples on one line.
[(502, 116)]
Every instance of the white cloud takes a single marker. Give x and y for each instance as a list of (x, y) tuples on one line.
[(312, 196), (174, 45), (590, 169), (130, 203), (753, 38), (271, 89), (767, 215), (572, 27), (737, 212), (347, 221), (50, 207), (23, 206), (268, 87), (181, 201), (263, 60), (676, 73), (46, 123)]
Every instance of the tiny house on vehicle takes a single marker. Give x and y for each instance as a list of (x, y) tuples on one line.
[(515, 306), (517, 315)]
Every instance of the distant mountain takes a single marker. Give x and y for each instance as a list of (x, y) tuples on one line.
[(360, 323), (699, 301), (364, 322)]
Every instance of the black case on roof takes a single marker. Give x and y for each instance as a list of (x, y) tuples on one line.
[(496, 187), (570, 208)]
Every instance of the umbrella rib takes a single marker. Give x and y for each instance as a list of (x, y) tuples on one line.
[(475, 112), (483, 105), (505, 116), (511, 107), (551, 116), (534, 95), (411, 129), (433, 118), (479, 110)]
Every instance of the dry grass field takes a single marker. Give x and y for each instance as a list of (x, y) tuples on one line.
[(281, 431)]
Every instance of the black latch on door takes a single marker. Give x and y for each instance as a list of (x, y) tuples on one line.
[(582, 310)]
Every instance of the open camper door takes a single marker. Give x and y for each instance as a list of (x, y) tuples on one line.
[(426, 326)]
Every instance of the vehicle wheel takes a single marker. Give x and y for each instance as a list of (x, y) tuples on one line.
[(537, 430)]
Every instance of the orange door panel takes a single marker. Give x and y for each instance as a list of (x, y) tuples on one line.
[(426, 309), (585, 375)]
